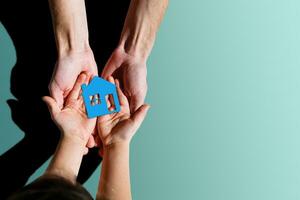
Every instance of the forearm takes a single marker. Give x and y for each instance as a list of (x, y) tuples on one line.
[(70, 25), (67, 159), (115, 179), (140, 27)]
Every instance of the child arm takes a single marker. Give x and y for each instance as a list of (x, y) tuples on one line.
[(116, 131), (75, 129)]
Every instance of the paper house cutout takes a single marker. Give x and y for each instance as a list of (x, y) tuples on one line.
[(95, 94)]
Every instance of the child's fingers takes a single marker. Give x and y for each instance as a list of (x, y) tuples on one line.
[(57, 94), (77, 87), (122, 98), (108, 99), (97, 140), (91, 142), (52, 105), (85, 151), (139, 115), (111, 79)]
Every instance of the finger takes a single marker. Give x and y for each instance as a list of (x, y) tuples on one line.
[(91, 142), (85, 151), (111, 79), (52, 105), (101, 148), (122, 98), (139, 115), (110, 99), (110, 66), (94, 70), (80, 98), (57, 94), (136, 101), (77, 87), (97, 140), (107, 101)]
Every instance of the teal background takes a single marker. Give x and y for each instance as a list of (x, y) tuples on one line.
[(225, 117)]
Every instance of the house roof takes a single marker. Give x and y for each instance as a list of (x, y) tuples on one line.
[(98, 84)]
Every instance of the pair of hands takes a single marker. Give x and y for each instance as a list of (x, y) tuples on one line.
[(107, 130), (130, 70)]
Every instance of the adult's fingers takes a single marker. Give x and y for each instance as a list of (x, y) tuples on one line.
[(91, 142), (112, 64), (122, 98), (139, 115), (52, 105), (136, 101), (56, 93), (94, 70), (77, 87)]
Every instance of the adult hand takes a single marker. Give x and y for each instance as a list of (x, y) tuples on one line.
[(132, 73), (67, 69)]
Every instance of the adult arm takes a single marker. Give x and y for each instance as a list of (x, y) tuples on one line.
[(74, 53), (141, 25), (128, 61)]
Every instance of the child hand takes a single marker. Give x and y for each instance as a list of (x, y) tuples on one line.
[(120, 127), (72, 119)]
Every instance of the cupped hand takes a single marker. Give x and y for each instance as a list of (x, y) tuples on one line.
[(67, 69), (120, 127), (71, 118), (132, 73)]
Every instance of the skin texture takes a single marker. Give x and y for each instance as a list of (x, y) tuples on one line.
[(74, 53), (127, 63), (115, 132), (75, 129)]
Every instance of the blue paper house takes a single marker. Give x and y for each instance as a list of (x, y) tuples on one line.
[(95, 95)]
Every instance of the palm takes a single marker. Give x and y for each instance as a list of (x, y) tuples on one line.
[(132, 74), (72, 119), (70, 66), (109, 122), (74, 112), (108, 126)]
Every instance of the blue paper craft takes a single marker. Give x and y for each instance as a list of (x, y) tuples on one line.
[(95, 94)]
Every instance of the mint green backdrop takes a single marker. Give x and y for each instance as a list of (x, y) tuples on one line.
[(224, 85)]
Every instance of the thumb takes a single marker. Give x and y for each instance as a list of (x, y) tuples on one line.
[(57, 94), (93, 70), (139, 115), (136, 101), (109, 68), (52, 105)]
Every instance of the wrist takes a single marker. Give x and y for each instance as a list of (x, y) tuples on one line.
[(73, 139), (116, 146), (133, 55), (71, 40), (64, 173), (67, 158), (65, 47)]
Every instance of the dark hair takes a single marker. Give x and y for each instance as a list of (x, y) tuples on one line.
[(52, 187)]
